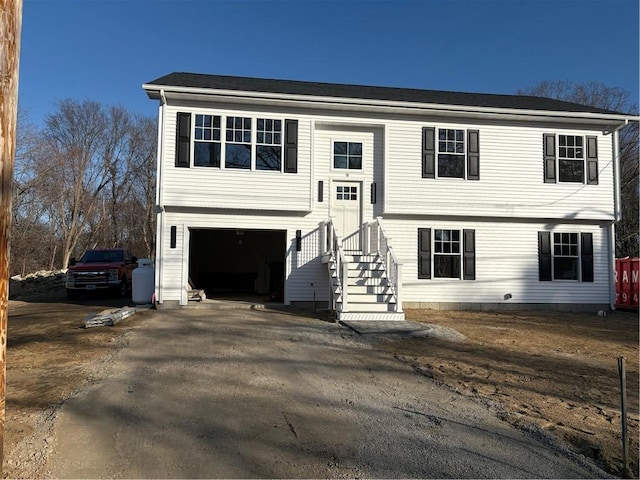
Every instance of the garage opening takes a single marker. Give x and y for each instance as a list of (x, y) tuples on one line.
[(236, 263)]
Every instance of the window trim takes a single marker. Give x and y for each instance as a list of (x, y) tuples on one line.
[(566, 158), (463, 155), (213, 141), (555, 256)]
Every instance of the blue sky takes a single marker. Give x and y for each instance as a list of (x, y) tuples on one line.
[(104, 50)]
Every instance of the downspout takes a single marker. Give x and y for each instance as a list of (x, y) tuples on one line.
[(617, 213), (159, 200)]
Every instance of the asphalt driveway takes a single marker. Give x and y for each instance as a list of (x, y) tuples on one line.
[(242, 393)]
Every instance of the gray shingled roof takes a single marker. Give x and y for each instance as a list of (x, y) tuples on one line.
[(223, 82)]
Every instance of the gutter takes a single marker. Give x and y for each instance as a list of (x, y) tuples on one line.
[(617, 212), (159, 199)]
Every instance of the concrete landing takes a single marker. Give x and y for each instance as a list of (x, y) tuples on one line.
[(398, 327)]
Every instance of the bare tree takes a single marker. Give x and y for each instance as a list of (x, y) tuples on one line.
[(74, 137), (143, 148), (616, 99), (86, 179), (33, 245)]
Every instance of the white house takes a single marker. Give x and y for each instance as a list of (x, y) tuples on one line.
[(371, 198)]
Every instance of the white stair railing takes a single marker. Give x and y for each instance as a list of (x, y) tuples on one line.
[(377, 242), (333, 246)]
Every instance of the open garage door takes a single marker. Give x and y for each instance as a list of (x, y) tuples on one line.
[(235, 262)]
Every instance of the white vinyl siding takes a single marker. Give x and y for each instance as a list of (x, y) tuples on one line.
[(511, 181), (506, 263), (228, 188)]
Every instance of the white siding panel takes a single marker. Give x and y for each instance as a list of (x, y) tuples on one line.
[(172, 260), (231, 188), (506, 262), (511, 177)]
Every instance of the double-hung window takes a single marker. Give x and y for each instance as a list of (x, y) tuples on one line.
[(206, 151), (565, 256), (238, 143), (450, 153), (570, 158), (446, 253), (268, 144)]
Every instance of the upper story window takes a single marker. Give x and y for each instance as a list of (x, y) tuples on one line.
[(268, 144), (570, 158), (238, 143), (450, 153), (347, 155), (206, 146)]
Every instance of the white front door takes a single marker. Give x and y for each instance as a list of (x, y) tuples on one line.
[(346, 213)]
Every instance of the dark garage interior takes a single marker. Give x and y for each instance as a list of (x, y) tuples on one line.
[(238, 262)]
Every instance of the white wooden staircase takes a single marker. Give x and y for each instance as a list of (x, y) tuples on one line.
[(365, 285)]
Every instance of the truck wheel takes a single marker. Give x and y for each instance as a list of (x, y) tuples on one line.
[(72, 294), (124, 288)]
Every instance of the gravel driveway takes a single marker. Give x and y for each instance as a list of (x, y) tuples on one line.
[(242, 393)]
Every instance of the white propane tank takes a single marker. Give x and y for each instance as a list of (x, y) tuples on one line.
[(143, 282)]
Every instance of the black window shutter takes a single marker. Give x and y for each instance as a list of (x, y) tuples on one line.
[(586, 257), (428, 152), (473, 155), (544, 256), (469, 259), (424, 253), (291, 146), (549, 157), (592, 160), (183, 140), (174, 236)]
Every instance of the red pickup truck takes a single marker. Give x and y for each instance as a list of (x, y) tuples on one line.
[(100, 269)]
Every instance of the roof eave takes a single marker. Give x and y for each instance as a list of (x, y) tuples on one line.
[(345, 103)]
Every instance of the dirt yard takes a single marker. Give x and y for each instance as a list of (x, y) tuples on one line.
[(51, 356), (556, 371)]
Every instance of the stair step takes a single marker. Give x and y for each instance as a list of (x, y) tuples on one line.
[(371, 316), (362, 258), (355, 275), (369, 298), (368, 281), (370, 289), (369, 307), (373, 266)]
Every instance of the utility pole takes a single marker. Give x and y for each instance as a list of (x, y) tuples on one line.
[(10, 26)]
